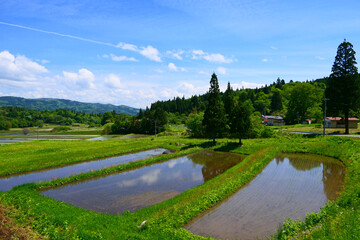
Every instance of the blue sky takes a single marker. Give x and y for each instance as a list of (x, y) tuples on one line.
[(137, 52)]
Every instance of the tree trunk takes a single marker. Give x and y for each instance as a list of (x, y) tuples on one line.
[(214, 142), (346, 121), (240, 143)]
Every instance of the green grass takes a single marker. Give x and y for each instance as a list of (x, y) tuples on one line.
[(58, 220), (27, 156)]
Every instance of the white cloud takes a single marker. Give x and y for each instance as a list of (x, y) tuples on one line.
[(247, 85), (320, 58), (210, 57), (122, 58), (197, 53), (113, 81), (204, 73), (172, 67), (149, 52), (19, 68), (274, 48), (265, 60), (176, 54), (217, 57), (221, 70), (127, 46), (83, 79)]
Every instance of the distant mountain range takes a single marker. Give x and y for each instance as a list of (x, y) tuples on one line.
[(53, 103)]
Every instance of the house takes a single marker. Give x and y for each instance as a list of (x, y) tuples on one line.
[(338, 122), (273, 120), (307, 121)]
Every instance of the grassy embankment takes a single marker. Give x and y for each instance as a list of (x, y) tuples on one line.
[(315, 128), (60, 220)]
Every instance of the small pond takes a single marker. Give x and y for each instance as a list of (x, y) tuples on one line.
[(290, 186), (6, 183), (135, 189)]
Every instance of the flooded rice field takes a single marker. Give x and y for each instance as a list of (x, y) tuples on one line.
[(290, 186), (15, 140), (135, 189), (6, 183), (102, 138)]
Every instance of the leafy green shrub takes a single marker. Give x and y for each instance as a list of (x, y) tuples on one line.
[(60, 129), (107, 129)]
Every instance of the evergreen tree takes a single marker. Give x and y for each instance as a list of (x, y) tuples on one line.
[(344, 83), (276, 102), (241, 121), (229, 100), (214, 117)]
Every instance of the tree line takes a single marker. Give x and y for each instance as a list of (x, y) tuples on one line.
[(19, 117)]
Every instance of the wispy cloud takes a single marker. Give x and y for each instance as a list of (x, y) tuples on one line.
[(122, 58), (320, 58), (59, 34), (148, 52), (172, 67), (177, 54), (211, 57)]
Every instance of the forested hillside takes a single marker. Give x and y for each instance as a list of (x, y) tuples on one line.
[(289, 100), (53, 104)]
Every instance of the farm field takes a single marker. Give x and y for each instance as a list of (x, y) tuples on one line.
[(30, 213)]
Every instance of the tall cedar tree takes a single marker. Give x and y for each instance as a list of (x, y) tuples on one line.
[(214, 118), (241, 121), (229, 102), (276, 102), (344, 83)]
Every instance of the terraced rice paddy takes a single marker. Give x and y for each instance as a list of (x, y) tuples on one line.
[(290, 186), (8, 182), (135, 189)]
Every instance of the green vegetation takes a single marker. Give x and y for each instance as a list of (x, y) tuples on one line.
[(33, 155), (18, 117), (344, 84), (215, 119), (59, 220), (53, 104)]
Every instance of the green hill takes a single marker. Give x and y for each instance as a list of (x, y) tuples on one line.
[(52, 104)]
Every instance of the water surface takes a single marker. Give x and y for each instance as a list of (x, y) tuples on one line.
[(290, 186), (102, 138), (135, 189), (6, 183)]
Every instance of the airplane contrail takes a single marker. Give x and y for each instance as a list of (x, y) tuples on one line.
[(60, 34)]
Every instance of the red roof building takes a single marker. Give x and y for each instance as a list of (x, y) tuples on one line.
[(339, 122)]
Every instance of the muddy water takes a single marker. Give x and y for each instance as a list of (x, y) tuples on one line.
[(289, 187), (132, 190), (6, 183)]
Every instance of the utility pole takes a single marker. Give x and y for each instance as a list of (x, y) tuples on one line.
[(325, 99), (298, 117)]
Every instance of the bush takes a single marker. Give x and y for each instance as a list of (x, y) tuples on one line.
[(107, 129), (60, 129)]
